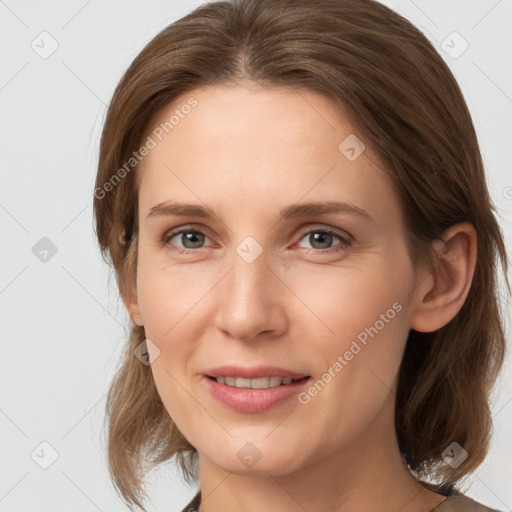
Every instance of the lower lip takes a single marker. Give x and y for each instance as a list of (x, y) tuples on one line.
[(253, 400)]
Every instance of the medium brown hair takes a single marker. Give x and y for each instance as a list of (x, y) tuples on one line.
[(403, 98)]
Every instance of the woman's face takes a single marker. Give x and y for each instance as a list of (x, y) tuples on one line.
[(259, 281)]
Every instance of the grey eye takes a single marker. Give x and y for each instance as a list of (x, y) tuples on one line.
[(190, 239)]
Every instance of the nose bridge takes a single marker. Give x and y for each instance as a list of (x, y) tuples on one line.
[(248, 303), (250, 272)]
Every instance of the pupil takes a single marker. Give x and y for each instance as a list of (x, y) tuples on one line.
[(189, 238), (314, 238)]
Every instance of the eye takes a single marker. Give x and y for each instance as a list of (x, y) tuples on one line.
[(190, 239), (321, 240)]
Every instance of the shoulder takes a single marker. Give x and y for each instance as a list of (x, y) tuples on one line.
[(456, 501), (462, 503)]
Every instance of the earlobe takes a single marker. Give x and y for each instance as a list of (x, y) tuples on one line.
[(132, 307), (441, 297), (135, 315)]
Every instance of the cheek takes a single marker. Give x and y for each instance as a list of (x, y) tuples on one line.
[(356, 382), (350, 302), (178, 398), (171, 308), (363, 312), (170, 299)]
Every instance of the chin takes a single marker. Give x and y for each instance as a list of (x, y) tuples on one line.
[(257, 459)]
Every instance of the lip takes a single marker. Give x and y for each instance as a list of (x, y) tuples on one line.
[(252, 400), (253, 372)]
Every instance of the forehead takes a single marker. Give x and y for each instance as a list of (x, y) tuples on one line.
[(248, 142), (248, 113)]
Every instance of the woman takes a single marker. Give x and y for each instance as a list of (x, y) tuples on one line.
[(293, 199)]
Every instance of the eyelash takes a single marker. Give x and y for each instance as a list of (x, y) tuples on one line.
[(345, 241)]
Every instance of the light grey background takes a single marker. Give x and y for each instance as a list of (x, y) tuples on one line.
[(62, 325)]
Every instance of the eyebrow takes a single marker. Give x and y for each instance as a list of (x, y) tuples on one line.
[(168, 208)]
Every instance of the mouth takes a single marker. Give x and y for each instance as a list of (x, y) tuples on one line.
[(256, 394), (257, 383), (255, 388)]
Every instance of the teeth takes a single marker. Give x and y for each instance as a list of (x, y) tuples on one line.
[(242, 383), (261, 383)]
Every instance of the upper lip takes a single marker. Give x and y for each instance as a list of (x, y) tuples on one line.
[(253, 372)]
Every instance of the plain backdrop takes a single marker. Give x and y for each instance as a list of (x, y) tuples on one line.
[(62, 325)]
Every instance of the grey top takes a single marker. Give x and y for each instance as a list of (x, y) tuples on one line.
[(461, 503), (456, 502)]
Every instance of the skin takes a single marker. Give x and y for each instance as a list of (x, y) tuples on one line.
[(245, 152)]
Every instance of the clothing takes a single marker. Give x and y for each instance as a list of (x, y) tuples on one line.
[(455, 502), (193, 506), (461, 503)]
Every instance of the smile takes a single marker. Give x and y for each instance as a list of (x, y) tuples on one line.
[(260, 383), (253, 395)]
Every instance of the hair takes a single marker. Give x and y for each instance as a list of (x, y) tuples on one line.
[(401, 95)]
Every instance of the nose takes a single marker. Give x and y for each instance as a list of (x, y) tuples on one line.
[(251, 300)]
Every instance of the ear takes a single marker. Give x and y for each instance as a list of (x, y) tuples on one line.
[(132, 306), (129, 293), (441, 294)]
